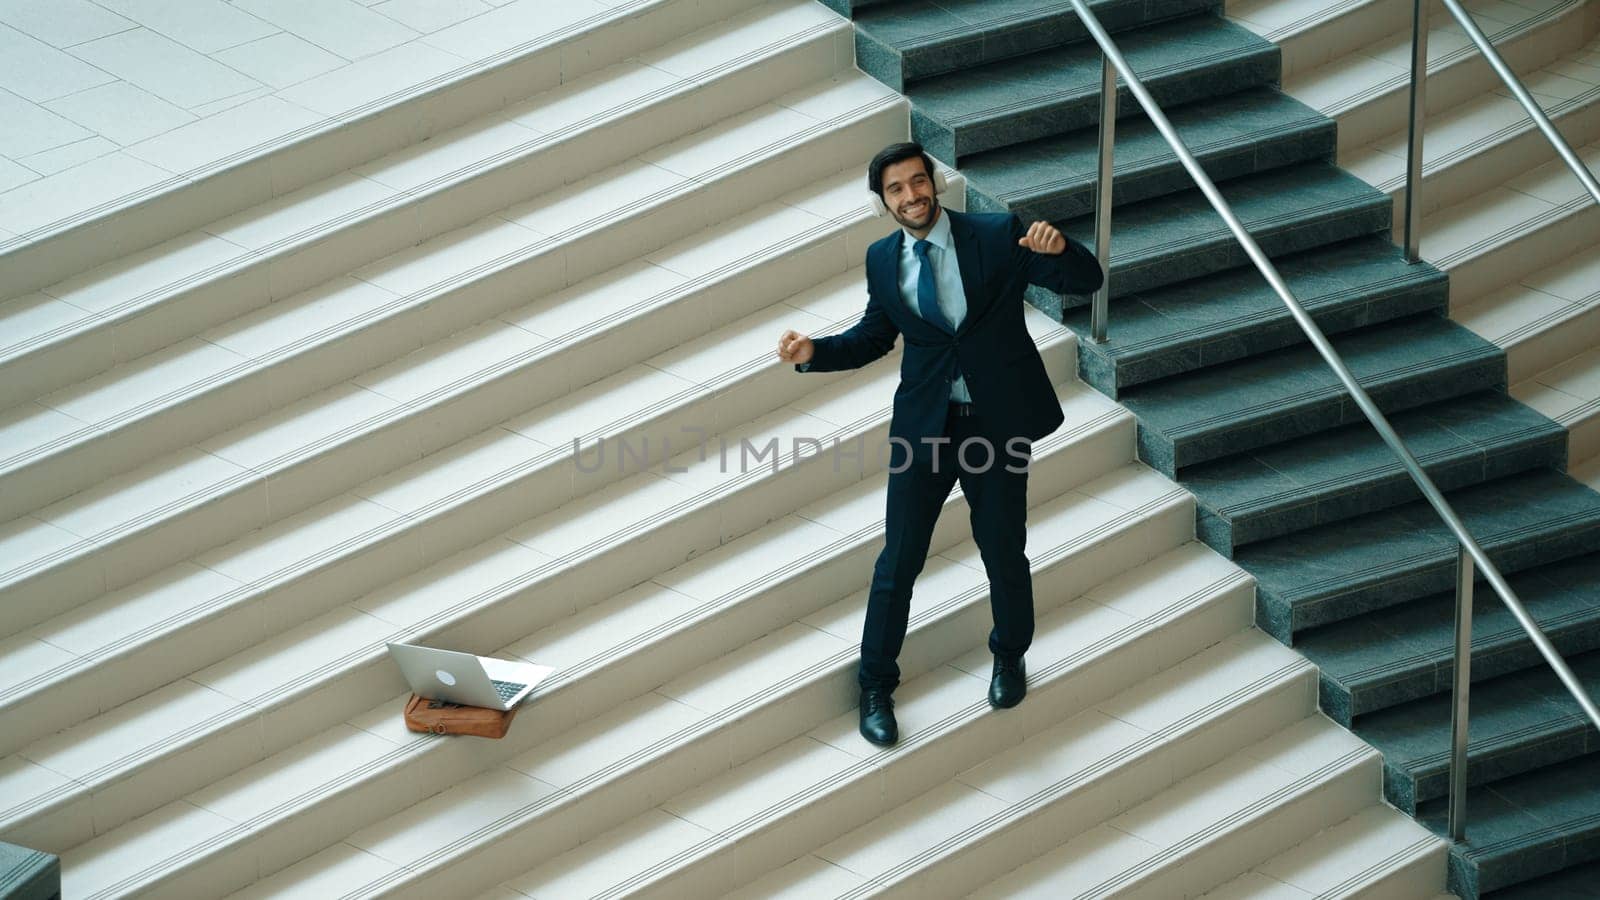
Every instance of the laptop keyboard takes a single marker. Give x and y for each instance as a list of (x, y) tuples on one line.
[(507, 689)]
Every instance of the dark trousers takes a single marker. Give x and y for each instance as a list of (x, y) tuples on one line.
[(998, 501)]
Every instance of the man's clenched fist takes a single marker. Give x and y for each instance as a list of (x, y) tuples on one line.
[(1042, 237), (794, 347)]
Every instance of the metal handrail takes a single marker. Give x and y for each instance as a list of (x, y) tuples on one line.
[(1469, 551), (1462, 681), (1419, 78)]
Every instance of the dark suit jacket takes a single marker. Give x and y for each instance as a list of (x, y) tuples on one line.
[(996, 355)]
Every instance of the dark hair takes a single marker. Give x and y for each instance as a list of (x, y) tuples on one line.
[(890, 155)]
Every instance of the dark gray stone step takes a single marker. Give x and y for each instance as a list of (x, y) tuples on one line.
[(1575, 883), (1170, 239), (28, 874), (1056, 91), (1055, 178), (1351, 568), (1234, 314), (1393, 656), (1335, 475), (849, 8), (903, 42), (1517, 723), (1285, 394), (1525, 826)]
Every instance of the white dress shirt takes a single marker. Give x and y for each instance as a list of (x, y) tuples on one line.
[(947, 283)]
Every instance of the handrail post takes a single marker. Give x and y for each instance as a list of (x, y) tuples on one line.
[(1414, 129), (1101, 309), (1430, 491), (1459, 694)]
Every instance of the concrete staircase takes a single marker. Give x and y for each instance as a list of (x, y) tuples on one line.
[(1517, 236), (1289, 480), (481, 385)]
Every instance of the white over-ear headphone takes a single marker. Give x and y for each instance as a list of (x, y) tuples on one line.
[(878, 209)]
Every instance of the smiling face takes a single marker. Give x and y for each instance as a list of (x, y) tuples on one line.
[(908, 193)]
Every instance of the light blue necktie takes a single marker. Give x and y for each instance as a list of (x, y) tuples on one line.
[(927, 290)]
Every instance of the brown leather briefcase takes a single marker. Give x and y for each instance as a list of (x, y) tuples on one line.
[(444, 717)]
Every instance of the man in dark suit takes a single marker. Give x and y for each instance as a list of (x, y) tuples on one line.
[(973, 396)]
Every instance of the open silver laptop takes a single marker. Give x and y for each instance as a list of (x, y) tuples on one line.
[(465, 678)]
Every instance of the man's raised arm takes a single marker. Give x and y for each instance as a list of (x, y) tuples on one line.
[(1052, 260), (867, 340)]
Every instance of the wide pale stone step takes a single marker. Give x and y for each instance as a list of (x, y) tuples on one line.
[(1505, 218), (344, 346), (1211, 825), (1312, 33), (1543, 319), (1366, 88), (303, 799), (1097, 738), (1570, 394), (1379, 853), (309, 452), (1029, 823), (331, 442), (1538, 228), (348, 318), (122, 644), (255, 150), (288, 225), (581, 549), (801, 678), (1476, 145), (1522, 260)]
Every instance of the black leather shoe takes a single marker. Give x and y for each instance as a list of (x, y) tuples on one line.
[(877, 717), (1009, 683)]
